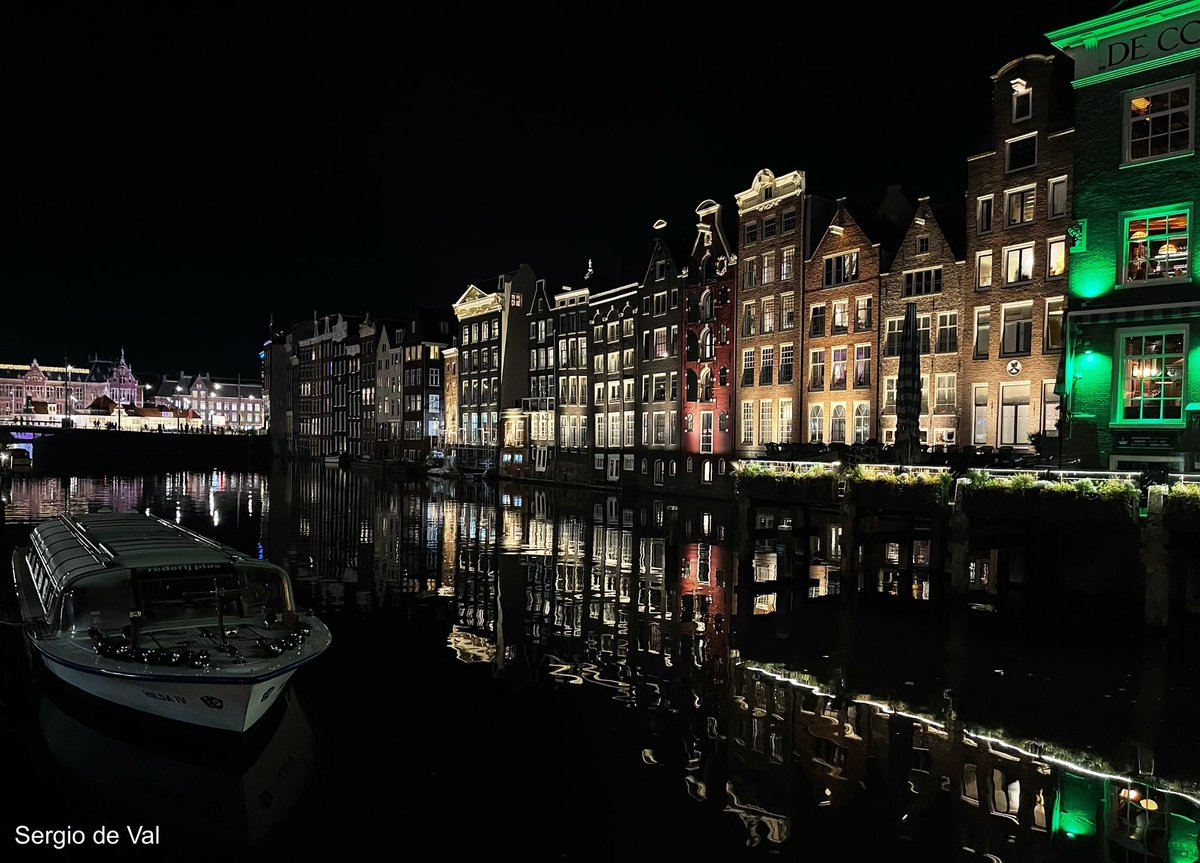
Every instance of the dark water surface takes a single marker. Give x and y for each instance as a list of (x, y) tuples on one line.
[(534, 673)]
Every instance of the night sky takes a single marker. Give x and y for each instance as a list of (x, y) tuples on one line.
[(175, 173)]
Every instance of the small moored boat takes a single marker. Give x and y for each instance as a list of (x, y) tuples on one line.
[(141, 612)]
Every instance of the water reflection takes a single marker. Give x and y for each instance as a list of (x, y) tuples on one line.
[(216, 791), (795, 712)]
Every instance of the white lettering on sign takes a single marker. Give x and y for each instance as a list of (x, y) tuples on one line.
[(1130, 51)]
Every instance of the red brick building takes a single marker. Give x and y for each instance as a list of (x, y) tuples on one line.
[(710, 297)]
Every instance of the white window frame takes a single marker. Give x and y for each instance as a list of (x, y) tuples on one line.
[(979, 256), (1050, 241), (1051, 184), (1032, 267), (1004, 307), (976, 410), (1008, 142), (1046, 324), (1020, 190), (1153, 90), (1000, 429), (1023, 91), (991, 199)]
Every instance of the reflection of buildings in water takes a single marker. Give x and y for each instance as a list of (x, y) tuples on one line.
[(475, 585), (332, 562), (449, 548), (221, 497), (214, 791), (851, 754)]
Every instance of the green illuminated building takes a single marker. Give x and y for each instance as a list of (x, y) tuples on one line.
[(1130, 379)]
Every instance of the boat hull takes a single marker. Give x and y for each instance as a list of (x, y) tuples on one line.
[(219, 704)]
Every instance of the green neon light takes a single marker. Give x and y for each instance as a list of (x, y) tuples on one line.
[(1156, 63), (1189, 154), (1116, 23)]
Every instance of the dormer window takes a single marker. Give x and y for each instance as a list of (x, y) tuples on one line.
[(1022, 100), (768, 192)]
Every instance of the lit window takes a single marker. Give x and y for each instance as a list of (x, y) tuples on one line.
[(1056, 258), (816, 424), (1014, 414), (841, 269), (1018, 264), (1017, 329), (1152, 375), (945, 398), (862, 423), (1156, 247), (979, 414), (1054, 323), (1159, 122), (1019, 206), (983, 270)]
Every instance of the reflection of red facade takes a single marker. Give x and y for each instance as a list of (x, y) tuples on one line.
[(703, 605), (708, 368)]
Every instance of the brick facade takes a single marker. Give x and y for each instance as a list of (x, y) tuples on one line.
[(767, 318), (925, 269), (1018, 212), (838, 402)]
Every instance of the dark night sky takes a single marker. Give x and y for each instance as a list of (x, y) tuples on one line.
[(176, 172)]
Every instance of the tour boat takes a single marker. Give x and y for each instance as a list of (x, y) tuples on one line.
[(143, 613)]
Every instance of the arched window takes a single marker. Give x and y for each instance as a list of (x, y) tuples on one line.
[(693, 346), (674, 469), (706, 305), (706, 471), (721, 466), (706, 386), (658, 471), (816, 424), (837, 424), (691, 423), (689, 385), (724, 377), (862, 423), (689, 464), (645, 467), (707, 347), (724, 334)]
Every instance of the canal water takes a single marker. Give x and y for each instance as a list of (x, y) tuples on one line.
[(568, 675)]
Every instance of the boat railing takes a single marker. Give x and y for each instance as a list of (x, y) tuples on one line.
[(98, 550), (203, 540)]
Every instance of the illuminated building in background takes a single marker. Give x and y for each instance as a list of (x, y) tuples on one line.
[(574, 454), (1133, 319), (48, 393), (657, 410), (425, 337), (493, 363), (614, 384)]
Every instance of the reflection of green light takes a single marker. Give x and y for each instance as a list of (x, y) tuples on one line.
[(1076, 806), (1181, 846)]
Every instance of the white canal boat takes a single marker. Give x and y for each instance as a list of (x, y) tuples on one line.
[(146, 614)]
